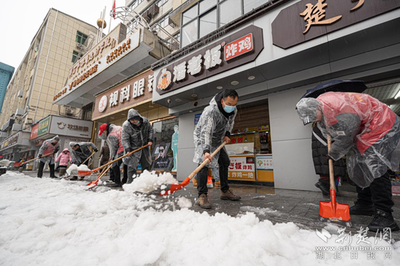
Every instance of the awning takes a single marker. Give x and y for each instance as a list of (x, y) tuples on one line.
[(144, 49)]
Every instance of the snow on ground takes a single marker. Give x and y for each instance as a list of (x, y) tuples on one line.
[(52, 222), (148, 182)]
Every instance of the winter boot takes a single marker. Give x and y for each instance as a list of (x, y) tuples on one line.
[(360, 208), (382, 220), (229, 196), (217, 184), (323, 185), (203, 202)]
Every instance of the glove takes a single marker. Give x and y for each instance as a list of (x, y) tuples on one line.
[(39, 156), (128, 150), (96, 150)]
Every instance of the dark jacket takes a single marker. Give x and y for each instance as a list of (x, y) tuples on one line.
[(319, 152), (105, 154), (134, 137)]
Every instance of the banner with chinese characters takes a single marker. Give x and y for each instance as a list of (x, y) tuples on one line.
[(125, 95), (232, 51), (309, 19), (242, 168)]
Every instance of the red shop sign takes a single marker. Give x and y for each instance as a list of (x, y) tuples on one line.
[(238, 47)]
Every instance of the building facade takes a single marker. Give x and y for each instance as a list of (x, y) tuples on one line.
[(59, 42), (6, 73), (271, 52)]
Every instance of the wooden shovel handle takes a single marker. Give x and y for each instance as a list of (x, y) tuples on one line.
[(88, 157), (113, 161), (331, 173), (35, 159), (207, 161)]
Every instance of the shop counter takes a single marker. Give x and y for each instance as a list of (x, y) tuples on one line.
[(242, 167), (264, 168)]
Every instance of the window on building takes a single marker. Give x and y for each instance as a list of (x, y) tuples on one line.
[(189, 33), (80, 37), (208, 22), (249, 5), (235, 11), (74, 56), (209, 15)]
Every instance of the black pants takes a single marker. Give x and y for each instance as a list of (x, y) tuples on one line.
[(40, 170), (223, 162), (132, 171), (115, 173), (378, 193)]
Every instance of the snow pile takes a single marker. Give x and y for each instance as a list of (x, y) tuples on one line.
[(150, 181), (83, 167), (184, 203), (73, 167), (5, 163), (47, 222)]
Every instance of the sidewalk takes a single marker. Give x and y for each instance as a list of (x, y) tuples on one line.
[(276, 205)]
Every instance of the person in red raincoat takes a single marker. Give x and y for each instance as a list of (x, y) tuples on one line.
[(368, 133)]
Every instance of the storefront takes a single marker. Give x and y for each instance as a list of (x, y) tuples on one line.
[(16, 147), (112, 106), (68, 129), (271, 57)]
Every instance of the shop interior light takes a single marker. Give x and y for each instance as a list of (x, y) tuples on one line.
[(178, 100), (219, 87), (194, 95), (398, 92), (251, 77), (235, 82)]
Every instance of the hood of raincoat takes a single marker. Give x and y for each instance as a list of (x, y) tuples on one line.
[(66, 149), (132, 114), (72, 144), (307, 110)]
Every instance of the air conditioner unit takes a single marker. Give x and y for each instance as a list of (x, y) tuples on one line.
[(3, 134), (16, 127), (19, 112), (20, 94)]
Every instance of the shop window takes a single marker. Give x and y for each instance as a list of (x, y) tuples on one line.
[(80, 37), (229, 11), (162, 135), (208, 23), (75, 55)]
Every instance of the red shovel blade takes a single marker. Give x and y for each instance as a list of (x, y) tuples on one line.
[(84, 173), (334, 211), (175, 187)]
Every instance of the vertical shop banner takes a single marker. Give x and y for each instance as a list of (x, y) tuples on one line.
[(196, 118), (44, 126), (34, 131)]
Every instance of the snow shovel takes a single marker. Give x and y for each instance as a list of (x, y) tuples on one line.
[(88, 157), (31, 160), (94, 183), (87, 173), (175, 187), (333, 211)]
